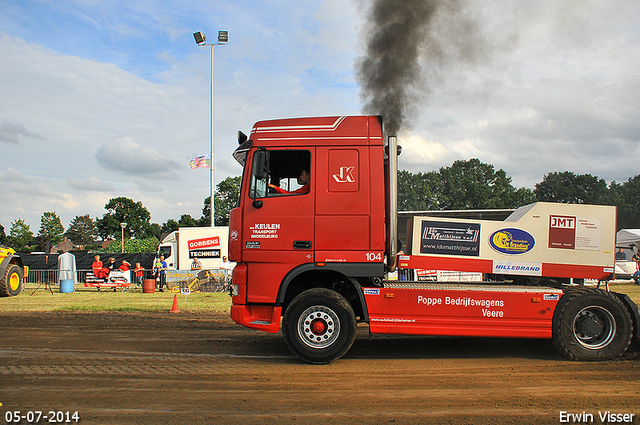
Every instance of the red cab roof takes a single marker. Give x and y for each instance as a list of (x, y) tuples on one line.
[(350, 130)]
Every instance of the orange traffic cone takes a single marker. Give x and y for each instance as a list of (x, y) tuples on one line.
[(174, 308)]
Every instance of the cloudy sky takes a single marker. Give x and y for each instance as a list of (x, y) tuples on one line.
[(100, 99)]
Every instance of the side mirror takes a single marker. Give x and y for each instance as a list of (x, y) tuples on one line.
[(258, 168), (259, 172)]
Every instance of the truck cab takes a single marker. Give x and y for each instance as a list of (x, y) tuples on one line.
[(288, 240)]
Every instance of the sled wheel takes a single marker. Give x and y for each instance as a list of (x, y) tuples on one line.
[(592, 325), (319, 326), (11, 284)]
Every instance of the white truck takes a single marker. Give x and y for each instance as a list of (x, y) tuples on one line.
[(207, 244)]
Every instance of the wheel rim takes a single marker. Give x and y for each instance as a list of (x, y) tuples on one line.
[(14, 281), (318, 327), (594, 327)]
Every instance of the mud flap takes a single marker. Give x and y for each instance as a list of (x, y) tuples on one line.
[(261, 317)]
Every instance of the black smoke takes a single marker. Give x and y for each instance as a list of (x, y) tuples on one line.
[(410, 46)]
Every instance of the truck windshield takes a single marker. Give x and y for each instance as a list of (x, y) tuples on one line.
[(164, 250)]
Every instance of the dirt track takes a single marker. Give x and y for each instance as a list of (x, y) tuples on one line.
[(193, 369)]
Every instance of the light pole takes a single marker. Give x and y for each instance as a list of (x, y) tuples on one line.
[(122, 226), (201, 40)]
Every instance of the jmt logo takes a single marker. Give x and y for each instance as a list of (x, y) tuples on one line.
[(563, 222), (345, 175)]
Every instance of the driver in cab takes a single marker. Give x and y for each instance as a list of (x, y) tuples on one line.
[(302, 180)]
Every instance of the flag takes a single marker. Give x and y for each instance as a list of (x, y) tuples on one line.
[(200, 161)]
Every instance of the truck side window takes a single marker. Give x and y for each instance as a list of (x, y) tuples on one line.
[(280, 173)]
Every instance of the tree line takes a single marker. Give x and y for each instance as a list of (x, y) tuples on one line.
[(473, 184), (469, 184), (140, 234)]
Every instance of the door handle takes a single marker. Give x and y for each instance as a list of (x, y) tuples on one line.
[(301, 244)]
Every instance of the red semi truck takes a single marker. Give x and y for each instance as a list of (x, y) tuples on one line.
[(315, 238)]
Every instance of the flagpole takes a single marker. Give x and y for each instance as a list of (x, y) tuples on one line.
[(212, 175)]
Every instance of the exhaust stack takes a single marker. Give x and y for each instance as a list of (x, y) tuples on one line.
[(392, 224)]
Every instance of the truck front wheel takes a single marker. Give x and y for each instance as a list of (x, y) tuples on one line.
[(319, 326), (11, 283), (592, 325)]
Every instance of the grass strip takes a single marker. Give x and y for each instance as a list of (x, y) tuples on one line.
[(133, 300)]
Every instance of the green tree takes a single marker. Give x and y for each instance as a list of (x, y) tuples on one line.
[(125, 210), (226, 198), (418, 192), (187, 221), (20, 235), (3, 235), (156, 230), (170, 226), (626, 197), (522, 196), (133, 245), (464, 185), (82, 230), (569, 188), (51, 231), (475, 185), (205, 220)]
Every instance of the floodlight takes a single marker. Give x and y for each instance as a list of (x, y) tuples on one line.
[(200, 38)]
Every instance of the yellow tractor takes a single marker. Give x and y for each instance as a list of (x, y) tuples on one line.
[(12, 272)]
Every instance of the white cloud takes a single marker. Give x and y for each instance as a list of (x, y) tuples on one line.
[(92, 183), (11, 132), (417, 152), (27, 197), (123, 154)]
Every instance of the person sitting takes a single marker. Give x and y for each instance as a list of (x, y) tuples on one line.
[(111, 265), (98, 270), (303, 180)]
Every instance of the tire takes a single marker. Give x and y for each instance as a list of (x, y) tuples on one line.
[(591, 325), (11, 283), (319, 326)]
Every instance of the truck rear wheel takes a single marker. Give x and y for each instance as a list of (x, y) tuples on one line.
[(11, 283), (319, 326), (592, 325)]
